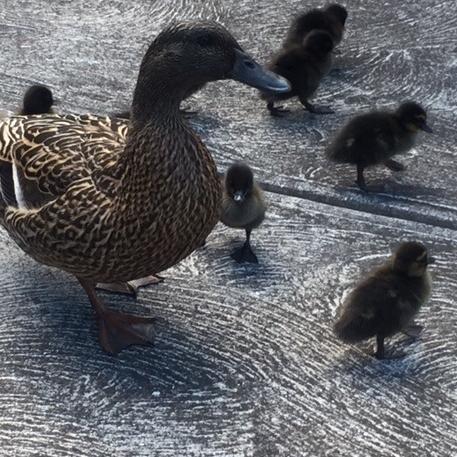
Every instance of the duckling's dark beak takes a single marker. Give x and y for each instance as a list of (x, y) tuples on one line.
[(246, 70), (239, 196), (430, 260), (425, 127)]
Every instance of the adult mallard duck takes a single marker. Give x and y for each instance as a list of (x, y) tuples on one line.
[(111, 201)]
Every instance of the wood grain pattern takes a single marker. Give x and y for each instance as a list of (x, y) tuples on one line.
[(245, 362), (89, 53)]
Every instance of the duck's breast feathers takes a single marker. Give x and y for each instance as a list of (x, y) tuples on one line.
[(42, 156)]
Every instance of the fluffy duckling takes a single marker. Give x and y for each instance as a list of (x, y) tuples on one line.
[(37, 100), (332, 19), (373, 138), (243, 207), (303, 66), (386, 301)]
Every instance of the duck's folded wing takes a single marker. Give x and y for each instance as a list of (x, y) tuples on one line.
[(41, 156)]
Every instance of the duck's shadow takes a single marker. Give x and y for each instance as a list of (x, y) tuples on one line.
[(67, 337)]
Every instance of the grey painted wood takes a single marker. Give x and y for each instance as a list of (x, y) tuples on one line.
[(89, 53), (245, 362)]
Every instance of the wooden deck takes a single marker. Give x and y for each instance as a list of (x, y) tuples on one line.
[(245, 363)]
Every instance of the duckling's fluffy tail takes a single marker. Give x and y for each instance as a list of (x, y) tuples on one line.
[(337, 152), (351, 328)]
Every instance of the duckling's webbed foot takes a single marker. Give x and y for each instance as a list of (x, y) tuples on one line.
[(129, 287), (277, 111), (394, 165), (117, 330), (245, 253), (317, 109), (413, 330)]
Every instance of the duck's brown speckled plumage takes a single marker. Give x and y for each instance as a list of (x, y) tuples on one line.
[(111, 214)]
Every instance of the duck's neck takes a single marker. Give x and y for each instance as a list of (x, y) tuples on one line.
[(161, 153)]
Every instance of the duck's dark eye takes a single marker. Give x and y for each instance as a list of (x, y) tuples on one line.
[(205, 40)]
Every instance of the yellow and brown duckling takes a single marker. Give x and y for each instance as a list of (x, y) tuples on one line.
[(243, 207), (387, 300), (374, 138), (332, 19), (303, 66), (37, 99), (109, 200)]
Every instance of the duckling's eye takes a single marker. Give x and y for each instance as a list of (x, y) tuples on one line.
[(205, 40)]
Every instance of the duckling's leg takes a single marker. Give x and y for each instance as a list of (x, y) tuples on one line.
[(394, 165), (277, 111), (129, 287), (360, 178), (316, 109), (245, 253), (381, 353), (118, 330)]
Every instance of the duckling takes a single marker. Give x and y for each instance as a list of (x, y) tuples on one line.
[(386, 302), (37, 100), (304, 67), (374, 138), (110, 200), (243, 206), (332, 19)]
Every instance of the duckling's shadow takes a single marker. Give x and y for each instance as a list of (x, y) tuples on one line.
[(256, 276), (357, 362), (389, 188), (298, 119), (69, 339)]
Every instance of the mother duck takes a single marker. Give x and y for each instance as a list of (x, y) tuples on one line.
[(109, 201)]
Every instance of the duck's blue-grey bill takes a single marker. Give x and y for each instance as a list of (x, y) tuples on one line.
[(246, 70)]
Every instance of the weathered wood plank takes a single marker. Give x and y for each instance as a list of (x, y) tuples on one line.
[(245, 362), (89, 53)]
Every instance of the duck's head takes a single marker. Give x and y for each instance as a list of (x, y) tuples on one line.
[(187, 55), (318, 42), (239, 182), (37, 100), (412, 259), (413, 117), (337, 11)]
